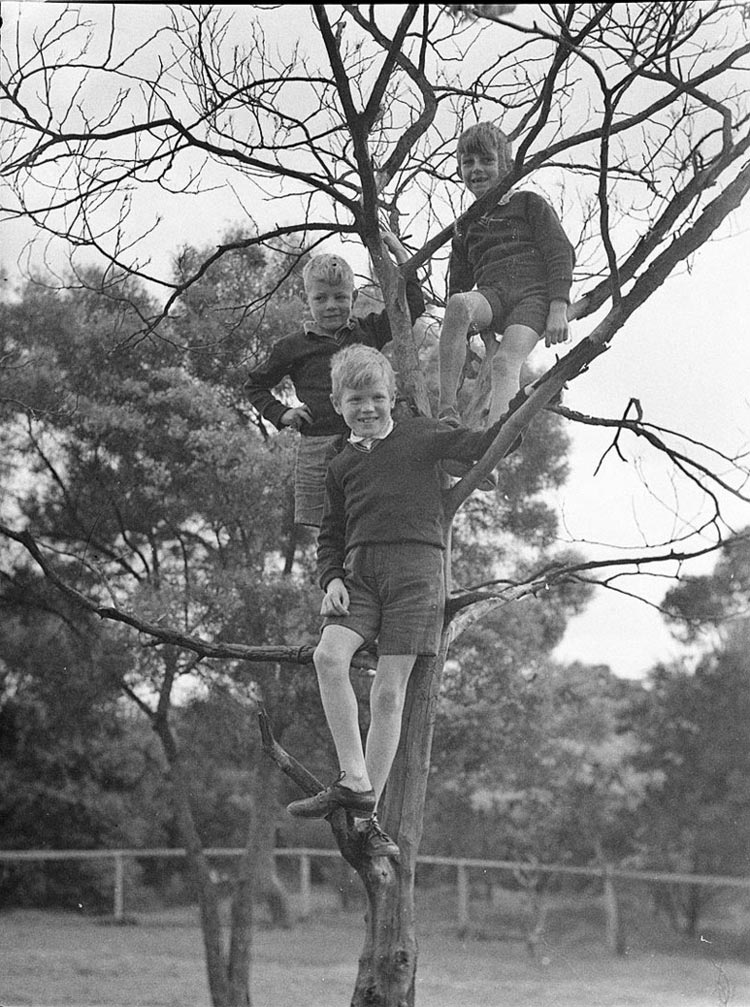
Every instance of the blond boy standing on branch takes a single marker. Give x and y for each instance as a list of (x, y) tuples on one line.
[(380, 562)]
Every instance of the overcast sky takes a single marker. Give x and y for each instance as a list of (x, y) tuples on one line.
[(685, 356)]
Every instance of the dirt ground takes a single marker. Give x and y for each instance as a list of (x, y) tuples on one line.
[(55, 959)]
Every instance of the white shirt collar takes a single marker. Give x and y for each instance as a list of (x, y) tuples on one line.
[(309, 327), (367, 441)]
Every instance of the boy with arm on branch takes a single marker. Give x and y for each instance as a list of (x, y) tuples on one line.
[(305, 357), (380, 562), (509, 277)]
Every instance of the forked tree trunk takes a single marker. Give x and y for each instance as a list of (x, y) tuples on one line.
[(228, 977), (388, 963)]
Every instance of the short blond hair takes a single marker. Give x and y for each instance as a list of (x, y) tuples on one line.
[(485, 138), (358, 366), (329, 268)]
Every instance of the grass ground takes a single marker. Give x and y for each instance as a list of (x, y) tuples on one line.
[(56, 959)]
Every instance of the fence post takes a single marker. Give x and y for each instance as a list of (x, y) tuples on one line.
[(462, 884), (304, 884), (119, 885), (615, 932)]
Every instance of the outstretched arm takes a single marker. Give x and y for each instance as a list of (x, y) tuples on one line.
[(378, 322), (464, 444), (394, 246)]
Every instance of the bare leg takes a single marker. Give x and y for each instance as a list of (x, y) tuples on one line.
[(332, 659), (462, 312), (386, 708), (514, 347)]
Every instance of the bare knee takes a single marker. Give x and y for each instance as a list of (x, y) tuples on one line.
[(386, 700), (330, 661), (458, 317)]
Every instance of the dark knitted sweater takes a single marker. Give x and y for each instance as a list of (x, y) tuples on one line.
[(391, 494), (305, 357), (518, 249)]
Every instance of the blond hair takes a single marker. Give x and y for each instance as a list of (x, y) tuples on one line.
[(329, 268), (359, 366)]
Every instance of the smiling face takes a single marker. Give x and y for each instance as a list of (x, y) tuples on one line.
[(481, 171), (366, 410), (484, 157), (330, 304)]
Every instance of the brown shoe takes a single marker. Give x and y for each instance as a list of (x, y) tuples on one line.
[(377, 843), (361, 802)]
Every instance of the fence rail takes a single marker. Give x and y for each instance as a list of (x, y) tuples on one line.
[(306, 854)]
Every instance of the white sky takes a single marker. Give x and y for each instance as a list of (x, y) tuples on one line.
[(685, 355)]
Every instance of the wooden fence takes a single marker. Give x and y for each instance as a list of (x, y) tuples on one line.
[(463, 867)]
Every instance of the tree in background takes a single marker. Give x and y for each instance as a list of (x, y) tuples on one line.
[(76, 771), (692, 728), (358, 125), (162, 497)]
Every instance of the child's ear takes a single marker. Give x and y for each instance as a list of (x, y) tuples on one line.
[(335, 404), (355, 294)]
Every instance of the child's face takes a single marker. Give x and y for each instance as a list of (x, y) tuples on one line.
[(330, 304), (367, 410), (481, 171)]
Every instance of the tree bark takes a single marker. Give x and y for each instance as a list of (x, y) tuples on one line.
[(615, 931), (268, 886), (226, 990), (388, 963)]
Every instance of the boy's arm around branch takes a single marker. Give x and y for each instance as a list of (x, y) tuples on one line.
[(464, 444)]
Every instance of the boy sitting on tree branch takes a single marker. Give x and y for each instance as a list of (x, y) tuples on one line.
[(509, 276)]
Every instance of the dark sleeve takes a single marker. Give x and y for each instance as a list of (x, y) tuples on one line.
[(262, 379), (331, 537), (377, 324), (462, 443), (552, 241), (460, 276)]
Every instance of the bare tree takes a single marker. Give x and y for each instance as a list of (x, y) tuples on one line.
[(634, 114)]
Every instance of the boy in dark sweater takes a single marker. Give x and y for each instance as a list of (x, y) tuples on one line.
[(306, 358), (380, 563), (509, 277)]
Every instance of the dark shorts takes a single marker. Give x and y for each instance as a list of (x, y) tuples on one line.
[(531, 311), (313, 457), (396, 597)]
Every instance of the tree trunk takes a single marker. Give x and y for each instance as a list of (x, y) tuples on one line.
[(475, 393), (615, 931), (268, 886), (228, 979), (536, 895), (388, 963), (693, 907), (240, 940), (225, 991)]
